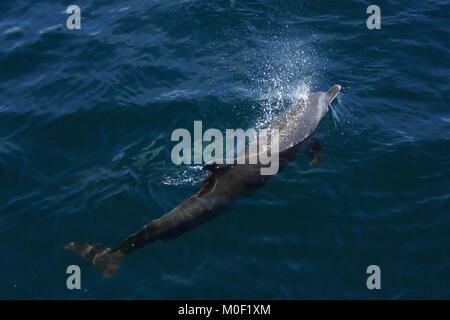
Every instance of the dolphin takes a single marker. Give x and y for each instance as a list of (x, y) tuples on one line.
[(225, 184)]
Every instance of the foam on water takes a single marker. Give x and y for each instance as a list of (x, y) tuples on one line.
[(288, 71), (189, 175)]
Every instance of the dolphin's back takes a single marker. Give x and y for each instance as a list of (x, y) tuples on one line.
[(300, 120)]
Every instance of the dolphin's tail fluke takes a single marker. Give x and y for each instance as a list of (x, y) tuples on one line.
[(102, 257)]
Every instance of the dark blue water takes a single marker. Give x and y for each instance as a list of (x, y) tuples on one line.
[(85, 123)]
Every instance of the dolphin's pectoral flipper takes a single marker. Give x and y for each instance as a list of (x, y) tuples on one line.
[(99, 255), (313, 150)]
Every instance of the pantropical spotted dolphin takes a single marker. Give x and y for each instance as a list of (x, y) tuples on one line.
[(225, 184)]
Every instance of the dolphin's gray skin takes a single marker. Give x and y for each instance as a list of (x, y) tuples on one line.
[(225, 184)]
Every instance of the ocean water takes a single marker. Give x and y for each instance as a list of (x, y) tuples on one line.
[(85, 123)]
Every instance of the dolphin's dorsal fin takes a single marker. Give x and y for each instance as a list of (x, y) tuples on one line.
[(214, 167)]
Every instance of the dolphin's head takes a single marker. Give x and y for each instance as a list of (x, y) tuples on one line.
[(325, 100), (302, 119)]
